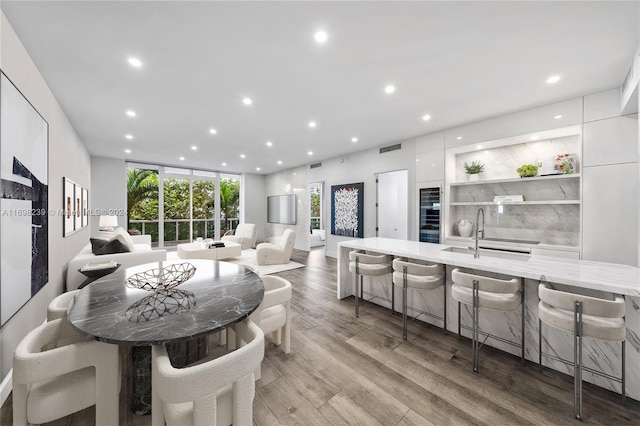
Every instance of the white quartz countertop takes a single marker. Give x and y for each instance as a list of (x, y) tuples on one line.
[(609, 277)]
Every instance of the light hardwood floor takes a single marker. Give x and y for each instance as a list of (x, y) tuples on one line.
[(347, 371)]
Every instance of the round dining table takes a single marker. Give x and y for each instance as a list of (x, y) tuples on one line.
[(217, 296)]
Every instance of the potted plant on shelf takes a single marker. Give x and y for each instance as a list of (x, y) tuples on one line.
[(528, 170), (473, 170)]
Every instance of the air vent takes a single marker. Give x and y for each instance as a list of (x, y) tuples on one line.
[(391, 148), (315, 165)]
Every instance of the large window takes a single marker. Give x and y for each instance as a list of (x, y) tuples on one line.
[(178, 205)]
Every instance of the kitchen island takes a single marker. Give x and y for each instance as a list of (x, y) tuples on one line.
[(586, 277)]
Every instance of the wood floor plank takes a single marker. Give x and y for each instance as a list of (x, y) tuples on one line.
[(342, 410), (414, 419), (262, 415), (288, 405)]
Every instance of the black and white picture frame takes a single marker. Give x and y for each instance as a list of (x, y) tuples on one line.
[(24, 200), (77, 207), (347, 210), (68, 200), (85, 207)]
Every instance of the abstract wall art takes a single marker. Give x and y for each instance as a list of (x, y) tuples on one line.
[(347, 210), (24, 200)]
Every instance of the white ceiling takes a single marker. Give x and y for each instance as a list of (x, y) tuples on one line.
[(457, 61)]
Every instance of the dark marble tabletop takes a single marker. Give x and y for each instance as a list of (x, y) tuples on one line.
[(219, 295)]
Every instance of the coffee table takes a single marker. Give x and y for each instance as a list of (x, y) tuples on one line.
[(200, 251)]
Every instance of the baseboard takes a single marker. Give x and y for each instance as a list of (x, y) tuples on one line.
[(5, 387)]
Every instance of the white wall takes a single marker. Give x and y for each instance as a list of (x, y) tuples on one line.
[(67, 157), (292, 181), (253, 202), (109, 190)]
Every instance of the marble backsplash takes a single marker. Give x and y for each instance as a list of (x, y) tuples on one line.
[(553, 224), (531, 189)]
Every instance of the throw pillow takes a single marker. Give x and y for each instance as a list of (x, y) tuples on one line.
[(112, 246), (126, 239), (96, 244)]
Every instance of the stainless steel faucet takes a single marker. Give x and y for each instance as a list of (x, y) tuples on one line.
[(476, 253)]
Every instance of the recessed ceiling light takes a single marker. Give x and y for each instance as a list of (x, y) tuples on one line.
[(479, 147), (242, 156), (128, 137), (131, 113), (535, 137), (269, 143), (258, 169), (213, 131), (553, 79), (193, 147), (128, 151), (279, 162), (310, 153), (558, 117), (312, 124), (135, 62), (181, 158), (389, 89), (354, 139), (247, 101), (459, 137), (321, 37), (224, 164), (426, 117)]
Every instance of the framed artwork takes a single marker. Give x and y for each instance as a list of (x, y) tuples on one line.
[(68, 201), (85, 207), (347, 210), (77, 207), (24, 200)]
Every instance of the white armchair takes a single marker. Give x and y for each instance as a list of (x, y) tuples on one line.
[(216, 392), (278, 253), (55, 383), (245, 235), (273, 314)]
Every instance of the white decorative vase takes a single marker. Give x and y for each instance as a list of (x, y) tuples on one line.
[(465, 227), (474, 177)]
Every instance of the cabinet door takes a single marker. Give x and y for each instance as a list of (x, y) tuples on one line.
[(610, 215), (611, 141)]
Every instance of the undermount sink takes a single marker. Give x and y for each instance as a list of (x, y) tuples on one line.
[(490, 253)]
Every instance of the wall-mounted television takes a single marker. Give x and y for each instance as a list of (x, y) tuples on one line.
[(281, 209)]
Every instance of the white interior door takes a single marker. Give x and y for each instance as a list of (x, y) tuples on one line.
[(392, 202)]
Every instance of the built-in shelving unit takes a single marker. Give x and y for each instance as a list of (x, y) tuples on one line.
[(516, 203), (520, 180)]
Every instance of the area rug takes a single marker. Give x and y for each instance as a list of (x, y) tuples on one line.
[(248, 260)]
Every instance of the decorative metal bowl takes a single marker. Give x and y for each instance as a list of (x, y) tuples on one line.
[(162, 279)]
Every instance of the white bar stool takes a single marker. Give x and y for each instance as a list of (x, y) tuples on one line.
[(487, 293), (584, 316), (420, 277), (362, 264)]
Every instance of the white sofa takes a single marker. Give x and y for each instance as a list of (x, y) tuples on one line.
[(141, 254)]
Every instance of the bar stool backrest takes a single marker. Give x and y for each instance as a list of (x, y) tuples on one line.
[(590, 305), (417, 269), (492, 285), (368, 258)]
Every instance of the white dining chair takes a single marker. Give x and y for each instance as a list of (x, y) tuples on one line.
[(58, 306), (218, 392), (584, 316), (54, 383)]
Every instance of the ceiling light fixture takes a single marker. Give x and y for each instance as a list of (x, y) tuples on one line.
[(558, 117), (135, 62), (479, 147), (535, 137), (269, 143), (181, 158), (128, 151), (553, 79), (247, 101), (354, 139), (213, 131), (131, 113), (321, 37), (258, 169), (279, 162), (310, 153), (389, 89), (312, 124), (459, 137), (128, 137), (224, 164), (426, 117), (242, 156), (194, 148)]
